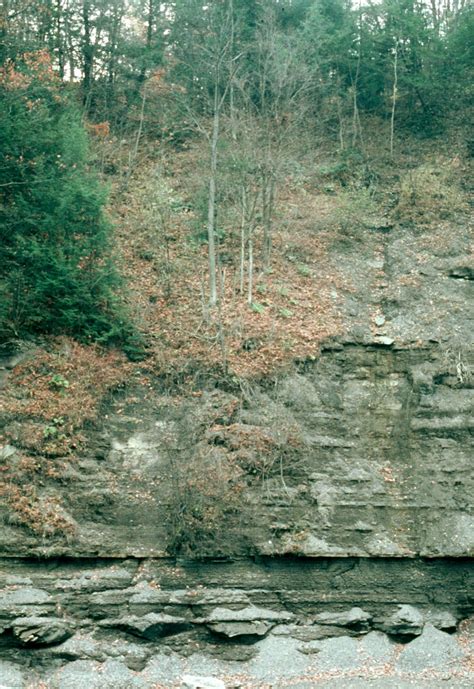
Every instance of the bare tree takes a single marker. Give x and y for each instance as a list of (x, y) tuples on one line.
[(394, 97)]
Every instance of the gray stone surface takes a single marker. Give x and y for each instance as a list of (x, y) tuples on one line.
[(433, 649), (234, 630), (406, 621), (441, 619), (11, 675), (194, 682), (84, 674), (152, 625), (248, 621), (86, 647), (337, 654), (354, 618), (163, 668), (375, 648), (278, 658), (36, 631), (282, 661), (19, 598), (379, 683)]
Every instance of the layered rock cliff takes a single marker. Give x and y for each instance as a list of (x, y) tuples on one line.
[(245, 522)]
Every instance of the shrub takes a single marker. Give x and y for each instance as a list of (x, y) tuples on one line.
[(429, 192), (205, 508)]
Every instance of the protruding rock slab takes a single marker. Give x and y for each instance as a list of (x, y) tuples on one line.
[(249, 621), (355, 618), (152, 626), (407, 621), (41, 631)]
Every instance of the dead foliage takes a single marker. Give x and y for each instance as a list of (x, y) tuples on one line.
[(47, 400), (296, 302)]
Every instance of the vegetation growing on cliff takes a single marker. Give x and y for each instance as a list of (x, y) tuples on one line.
[(277, 99), (253, 151)]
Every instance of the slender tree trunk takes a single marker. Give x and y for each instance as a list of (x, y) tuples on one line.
[(356, 127), (435, 14), (394, 97), (242, 238), (341, 124), (69, 43), (220, 325), (111, 67), (250, 268), (268, 201), (149, 39), (60, 38), (356, 124), (233, 123), (4, 28), (211, 207), (134, 153), (44, 29), (87, 55)]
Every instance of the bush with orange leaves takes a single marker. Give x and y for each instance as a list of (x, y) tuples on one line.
[(47, 400)]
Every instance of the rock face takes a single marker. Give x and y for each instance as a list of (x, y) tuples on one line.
[(131, 614), (433, 649), (348, 521), (192, 682), (40, 631), (364, 452)]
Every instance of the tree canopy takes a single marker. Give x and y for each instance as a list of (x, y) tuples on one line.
[(271, 71)]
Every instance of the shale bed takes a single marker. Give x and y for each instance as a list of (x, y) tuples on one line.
[(311, 526), (145, 622)]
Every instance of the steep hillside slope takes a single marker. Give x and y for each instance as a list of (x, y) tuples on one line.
[(267, 464)]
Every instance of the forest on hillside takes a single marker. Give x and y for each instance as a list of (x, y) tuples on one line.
[(210, 194), (250, 90)]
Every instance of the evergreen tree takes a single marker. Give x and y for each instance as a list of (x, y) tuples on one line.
[(56, 271)]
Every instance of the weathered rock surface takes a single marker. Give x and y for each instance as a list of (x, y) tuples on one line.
[(368, 454), (85, 674), (152, 625), (355, 618), (357, 515), (272, 618), (406, 621), (36, 631), (249, 621), (11, 675), (433, 649), (192, 682)]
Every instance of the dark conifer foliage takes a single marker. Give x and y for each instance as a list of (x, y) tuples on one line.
[(56, 268)]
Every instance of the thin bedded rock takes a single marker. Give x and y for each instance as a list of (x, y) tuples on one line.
[(249, 621), (41, 631), (406, 621), (355, 618), (152, 626)]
